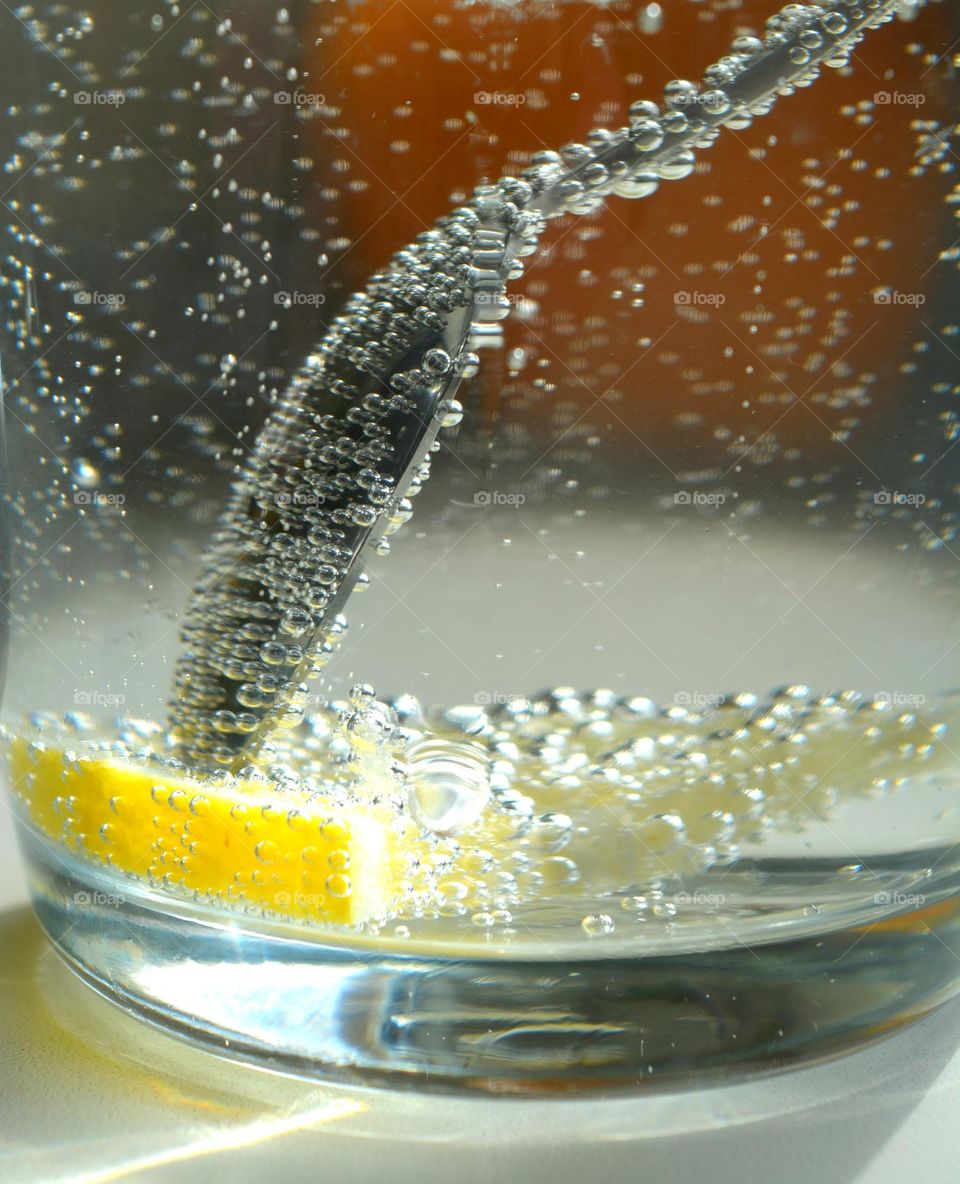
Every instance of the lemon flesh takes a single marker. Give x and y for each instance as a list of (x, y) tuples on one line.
[(242, 843)]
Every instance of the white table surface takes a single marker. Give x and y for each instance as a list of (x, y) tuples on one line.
[(90, 1094)]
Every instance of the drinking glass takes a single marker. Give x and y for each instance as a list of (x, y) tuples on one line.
[(628, 756)]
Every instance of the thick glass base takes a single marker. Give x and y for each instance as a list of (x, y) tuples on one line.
[(374, 1014)]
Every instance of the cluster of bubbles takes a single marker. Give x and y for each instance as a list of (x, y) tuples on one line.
[(330, 474), (618, 800), (659, 144), (573, 809)]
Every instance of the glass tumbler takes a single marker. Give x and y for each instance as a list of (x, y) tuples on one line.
[(482, 506)]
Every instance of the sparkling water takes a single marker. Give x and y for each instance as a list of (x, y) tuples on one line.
[(705, 442), (542, 810)]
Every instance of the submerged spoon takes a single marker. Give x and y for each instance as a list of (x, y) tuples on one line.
[(348, 445)]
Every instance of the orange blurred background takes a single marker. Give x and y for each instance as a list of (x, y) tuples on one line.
[(785, 232)]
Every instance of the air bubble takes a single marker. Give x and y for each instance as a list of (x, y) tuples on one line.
[(449, 784), (598, 925)]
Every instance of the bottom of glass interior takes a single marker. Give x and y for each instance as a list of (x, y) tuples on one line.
[(546, 1021)]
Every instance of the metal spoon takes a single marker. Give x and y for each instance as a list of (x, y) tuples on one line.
[(339, 458)]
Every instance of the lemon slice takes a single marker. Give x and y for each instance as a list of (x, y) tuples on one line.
[(244, 842)]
